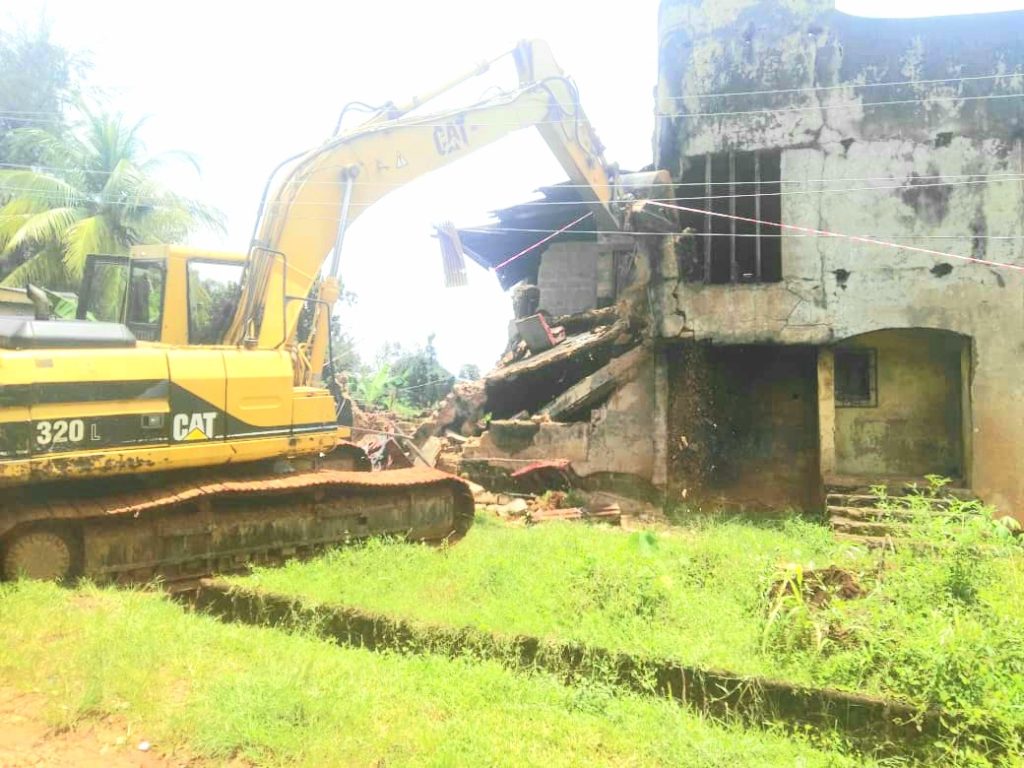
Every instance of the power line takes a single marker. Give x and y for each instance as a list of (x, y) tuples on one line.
[(498, 230), (820, 107), (157, 201), (710, 94), (424, 123), (816, 88), (854, 238), (540, 242), (997, 175)]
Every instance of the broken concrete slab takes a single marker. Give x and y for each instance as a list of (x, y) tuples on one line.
[(517, 441), (594, 389), (534, 381), (430, 450), (581, 322)]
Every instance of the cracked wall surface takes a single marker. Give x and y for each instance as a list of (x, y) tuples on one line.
[(936, 164)]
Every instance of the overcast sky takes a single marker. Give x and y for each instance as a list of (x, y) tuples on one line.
[(244, 85)]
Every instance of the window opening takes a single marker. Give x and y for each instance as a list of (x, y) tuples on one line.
[(145, 299), (856, 378), (103, 289), (743, 184), (213, 290)]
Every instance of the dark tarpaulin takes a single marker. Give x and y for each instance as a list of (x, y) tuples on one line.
[(490, 245)]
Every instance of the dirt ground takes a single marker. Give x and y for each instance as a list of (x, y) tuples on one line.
[(27, 741)]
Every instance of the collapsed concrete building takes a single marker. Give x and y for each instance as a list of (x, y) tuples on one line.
[(755, 366)]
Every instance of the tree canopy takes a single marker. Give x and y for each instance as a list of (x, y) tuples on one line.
[(38, 79), (89, 190)]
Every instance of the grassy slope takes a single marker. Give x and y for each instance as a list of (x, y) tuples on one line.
[(695, 595), (943, 629), (279, 699)]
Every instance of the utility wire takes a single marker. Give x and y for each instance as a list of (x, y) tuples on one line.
[(155, 202), (998, 175), (816, 108), (843, 236), (710, 94), (541, 242), (817, 88), (489, 230)]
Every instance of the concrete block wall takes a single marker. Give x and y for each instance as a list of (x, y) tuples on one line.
[(568, 277)]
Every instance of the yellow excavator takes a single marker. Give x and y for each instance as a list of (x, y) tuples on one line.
[(183, 425)]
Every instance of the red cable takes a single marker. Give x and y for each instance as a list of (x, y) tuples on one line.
[(541, 242)]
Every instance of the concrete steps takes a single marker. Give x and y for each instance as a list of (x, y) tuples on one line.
[(858, 515)]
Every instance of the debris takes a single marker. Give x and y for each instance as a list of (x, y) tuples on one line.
[(532, 382), (430, 450), (513, 508), (592, 390), (581, 322), (453, 258), (545, 475), (538, 334), (606, 514), (462, 411), (369, 420), (525, 299), (384, 452), (144, 746)]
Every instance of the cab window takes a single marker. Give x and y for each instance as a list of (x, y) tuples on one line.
[(103, 289), (213, 289), (145, 299)]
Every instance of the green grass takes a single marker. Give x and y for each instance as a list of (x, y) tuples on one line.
[(941, 627), (273, 698), (694, 595)]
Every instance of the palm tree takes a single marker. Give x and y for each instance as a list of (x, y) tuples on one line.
[(88, 190)]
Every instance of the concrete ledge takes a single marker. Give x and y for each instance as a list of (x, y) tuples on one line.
[(871, 722)]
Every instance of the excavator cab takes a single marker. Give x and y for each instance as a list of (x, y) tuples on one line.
[(164, 293)]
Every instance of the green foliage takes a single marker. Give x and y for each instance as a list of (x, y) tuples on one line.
[(92, 192), (688, 593), (405, 381), (376, 388), (469, 372), (237, 694), (939, 624), (38, 78), (424, 380)]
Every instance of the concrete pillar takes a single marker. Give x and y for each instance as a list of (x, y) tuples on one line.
[(826, 411), (605, 278), (659, 431)]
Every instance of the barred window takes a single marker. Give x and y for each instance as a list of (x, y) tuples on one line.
[(856, 378), (742, 184)]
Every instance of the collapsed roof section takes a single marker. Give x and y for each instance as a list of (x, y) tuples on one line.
[(521, 226)]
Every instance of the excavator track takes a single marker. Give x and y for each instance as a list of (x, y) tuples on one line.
[(188, 528)]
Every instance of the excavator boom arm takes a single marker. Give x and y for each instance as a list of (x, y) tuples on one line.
[(333, 184)]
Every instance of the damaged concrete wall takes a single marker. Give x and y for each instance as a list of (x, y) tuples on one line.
[(744, 425), (915, 426), (617, 438), (939, 166)]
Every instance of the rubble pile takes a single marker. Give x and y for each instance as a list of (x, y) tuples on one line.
[(524, 429), (547, 507), (461, 412)]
